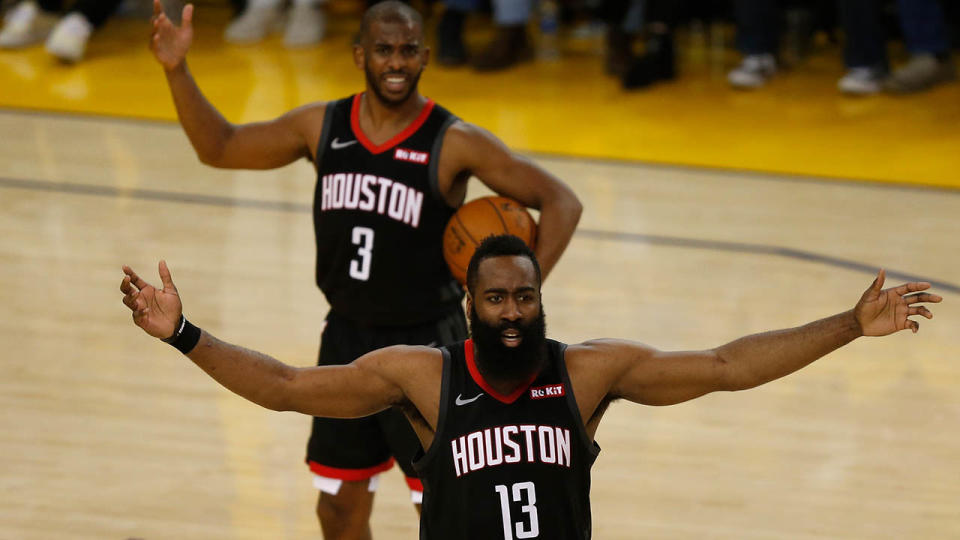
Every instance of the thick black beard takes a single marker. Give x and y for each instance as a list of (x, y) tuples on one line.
[(373, 83), (502, 363)]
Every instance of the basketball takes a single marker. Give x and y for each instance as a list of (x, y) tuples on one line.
[(479, 219)]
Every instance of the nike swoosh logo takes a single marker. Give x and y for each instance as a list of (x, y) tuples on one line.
[(431, 344), (336, 144), (460, 401)]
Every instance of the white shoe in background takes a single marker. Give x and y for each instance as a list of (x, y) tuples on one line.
[(306, 25), (861, 81), (753, 72), (253, 24), (26, 24), (920, 73), (68, 41)]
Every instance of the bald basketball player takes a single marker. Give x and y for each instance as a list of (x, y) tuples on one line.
[(392, 167), (507, 418)]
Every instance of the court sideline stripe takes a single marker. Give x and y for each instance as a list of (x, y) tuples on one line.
[(152, 195), (614, 236), (758, 249), (907, 185)]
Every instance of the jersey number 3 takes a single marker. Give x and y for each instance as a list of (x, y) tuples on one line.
[(362, 237), (528, 506)]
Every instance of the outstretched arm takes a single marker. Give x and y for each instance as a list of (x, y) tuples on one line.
[(474, 149), (262, 145), (360, 388), (645, 375), (366, 386)]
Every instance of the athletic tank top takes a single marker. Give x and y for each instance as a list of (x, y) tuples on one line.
[(379, 220), (508, 467)]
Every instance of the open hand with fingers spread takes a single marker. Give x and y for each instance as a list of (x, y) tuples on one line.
[(881, 312), (168, 41), (157, 311)]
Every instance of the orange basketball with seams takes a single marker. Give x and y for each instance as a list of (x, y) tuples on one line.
[(478, 219)]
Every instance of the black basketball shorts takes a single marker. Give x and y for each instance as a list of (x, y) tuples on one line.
[(360, 448)]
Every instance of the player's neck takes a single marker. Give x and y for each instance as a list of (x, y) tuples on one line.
[(379, 116)]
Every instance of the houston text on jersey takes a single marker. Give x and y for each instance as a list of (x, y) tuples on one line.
[(511, 444), (370, 193)]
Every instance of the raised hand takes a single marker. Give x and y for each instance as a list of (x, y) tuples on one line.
[(168, 41), (884, 311), (157, 311)]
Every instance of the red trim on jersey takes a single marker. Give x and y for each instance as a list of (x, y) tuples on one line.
[(396, 139), (478, 378), (414, 484), (349, 475)]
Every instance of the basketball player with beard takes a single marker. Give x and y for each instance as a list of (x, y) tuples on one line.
[(508, 418), (392, 167)]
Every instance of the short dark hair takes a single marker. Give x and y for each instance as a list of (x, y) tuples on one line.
[(390, 11), (504, 245)]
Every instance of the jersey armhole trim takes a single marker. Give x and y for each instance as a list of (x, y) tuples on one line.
[(328, 113), (446, 375), (591, 445), (433, 170)]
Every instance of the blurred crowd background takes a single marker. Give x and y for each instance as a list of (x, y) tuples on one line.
[(897, 46)]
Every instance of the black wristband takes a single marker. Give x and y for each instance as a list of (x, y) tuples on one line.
[(185, 337)]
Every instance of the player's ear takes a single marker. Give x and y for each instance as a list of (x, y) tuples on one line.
[(469, 302), (358, 54), (425, 58)]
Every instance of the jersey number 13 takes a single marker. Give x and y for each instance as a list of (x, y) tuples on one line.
[(524, 493)]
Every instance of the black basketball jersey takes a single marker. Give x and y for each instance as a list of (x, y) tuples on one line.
[(508, 467), (379, 219)]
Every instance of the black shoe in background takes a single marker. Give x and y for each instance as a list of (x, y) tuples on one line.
[(509, 46), (656, 64), (619, 52), (451, 50)]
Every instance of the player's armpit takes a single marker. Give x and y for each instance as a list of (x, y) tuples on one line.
[(469, 147)]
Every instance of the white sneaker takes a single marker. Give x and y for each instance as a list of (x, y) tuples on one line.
[(920, 73), (25, 25), (753, 72), (861, 81), (306, 25), (253, 24), (68, 41)]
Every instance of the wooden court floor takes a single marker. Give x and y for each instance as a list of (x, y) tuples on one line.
[(107, 434)]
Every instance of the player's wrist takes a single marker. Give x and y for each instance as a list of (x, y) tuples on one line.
[(178, 69), (851, 324), (185, 336)]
